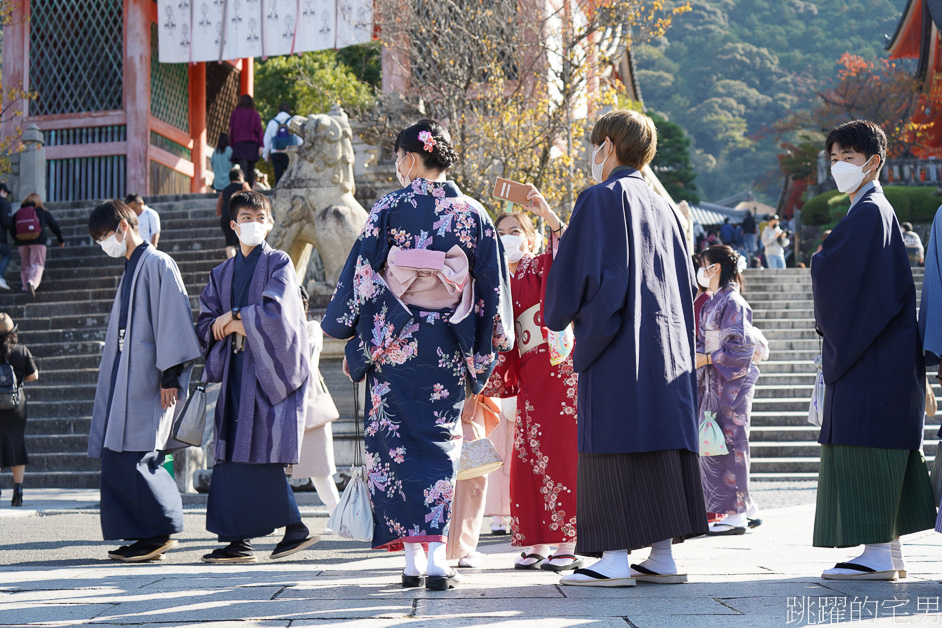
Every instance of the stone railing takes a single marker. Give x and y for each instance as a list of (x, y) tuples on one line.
[(912, 172)]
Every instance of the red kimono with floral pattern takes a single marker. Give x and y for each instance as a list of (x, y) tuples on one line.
[(543, 469)]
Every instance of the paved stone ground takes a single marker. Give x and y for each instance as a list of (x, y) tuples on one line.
[(53, 571)]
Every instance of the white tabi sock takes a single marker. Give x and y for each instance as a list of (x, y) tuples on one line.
[(564, 548), (438, 559), (661, 559), (899, 562), (613, 564), (327, 491), (416, 561), (877, 556), (541, 550), (737, 521)]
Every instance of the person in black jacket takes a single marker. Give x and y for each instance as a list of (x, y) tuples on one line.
[(33, 251), (6, 221)]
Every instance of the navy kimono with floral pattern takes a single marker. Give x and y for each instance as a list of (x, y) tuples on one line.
[(417, 361)]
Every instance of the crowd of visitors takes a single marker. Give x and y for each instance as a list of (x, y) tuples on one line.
[(626, 365)]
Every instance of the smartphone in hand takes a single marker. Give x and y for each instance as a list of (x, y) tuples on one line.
[(508, 190)]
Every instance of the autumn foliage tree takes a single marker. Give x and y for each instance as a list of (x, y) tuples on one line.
[(514, 81)]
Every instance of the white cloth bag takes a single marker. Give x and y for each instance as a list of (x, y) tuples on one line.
[(353, 517), (816, 409)]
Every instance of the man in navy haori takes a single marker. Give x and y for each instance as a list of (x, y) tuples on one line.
[(254, 332), (145, 370), (873, 485)]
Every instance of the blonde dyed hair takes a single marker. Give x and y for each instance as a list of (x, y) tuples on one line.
[(632, 133)]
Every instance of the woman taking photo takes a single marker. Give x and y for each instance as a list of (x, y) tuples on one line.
[(623, 276), (543, 472), (424, 299), (16, 358), (245, 133), (726, 378)]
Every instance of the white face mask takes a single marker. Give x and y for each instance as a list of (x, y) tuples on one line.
[(847, 176), (404, 180), (597, 169), (252, 233), (702, 279), (112, 247), (513, 247)]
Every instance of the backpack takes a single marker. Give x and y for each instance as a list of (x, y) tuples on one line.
[(9, 388), (26, 224), (282, 139)]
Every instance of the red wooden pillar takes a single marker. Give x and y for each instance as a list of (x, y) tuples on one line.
[(15, 68), (247, 77), (137, 21), (198, 125)]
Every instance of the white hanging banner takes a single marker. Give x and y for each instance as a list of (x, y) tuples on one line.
[(279, 18), (354, 22), (317, 25), (214, 30), (174, 32)]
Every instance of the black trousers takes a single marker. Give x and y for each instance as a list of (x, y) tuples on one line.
[(279, 162)]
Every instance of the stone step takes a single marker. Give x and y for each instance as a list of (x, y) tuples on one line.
[(763, 315), (52, 479), (56, 444), (809, 433), (67, 349), (783, 465), (67, 377), (95, 259), (67, 425), (771, 367), (42, 391), (771, 392), (790, 334), (783, 477), (42, 409), (62, 461), (778, 405)]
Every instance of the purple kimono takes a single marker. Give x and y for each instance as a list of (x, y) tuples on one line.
[(271, 412), (726, 388)]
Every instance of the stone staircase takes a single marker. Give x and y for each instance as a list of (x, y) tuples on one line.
[(783, 444), (65, 326), (65, 329)]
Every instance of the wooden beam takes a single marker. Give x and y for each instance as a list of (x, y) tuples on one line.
[(77, 151), (78, 120), (179, 164), (170, 132)]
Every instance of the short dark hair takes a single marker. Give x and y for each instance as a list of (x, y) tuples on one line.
[(107, 216), (907, 226), (441, 157), (284, 107), (862, 136), (235, 174), (246, 102), (223, 142), (134, 198), (249, 200)]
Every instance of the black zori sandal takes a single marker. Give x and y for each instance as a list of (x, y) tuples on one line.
[(574, 563), (538, 558), (862, 573), (443, 583), (647, 575), (412, 582)]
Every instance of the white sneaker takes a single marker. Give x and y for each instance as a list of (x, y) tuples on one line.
[(3, 284)]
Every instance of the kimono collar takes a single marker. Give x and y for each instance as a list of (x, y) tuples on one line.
[(865, 191), (624, 171), (437, 189), (136, 255)]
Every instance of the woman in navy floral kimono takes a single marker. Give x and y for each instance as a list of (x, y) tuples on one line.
[(424, 299)]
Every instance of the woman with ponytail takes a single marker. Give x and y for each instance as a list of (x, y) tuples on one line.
[(726, 382)]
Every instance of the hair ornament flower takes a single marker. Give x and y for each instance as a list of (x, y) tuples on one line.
[(741, 262), (429, 142)]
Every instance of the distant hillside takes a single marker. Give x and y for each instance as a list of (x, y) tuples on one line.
[(729, 69)]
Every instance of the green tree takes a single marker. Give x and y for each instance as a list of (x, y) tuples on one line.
[(314, 81), (672, 162)]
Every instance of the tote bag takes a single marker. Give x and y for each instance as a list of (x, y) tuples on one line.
[(190, 423), (353, 517)]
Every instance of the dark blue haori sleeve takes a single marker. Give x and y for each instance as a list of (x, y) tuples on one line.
[(588, 282), (861, 282), (930, 309)]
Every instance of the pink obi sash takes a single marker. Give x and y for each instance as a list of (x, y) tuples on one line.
[(430, 279)]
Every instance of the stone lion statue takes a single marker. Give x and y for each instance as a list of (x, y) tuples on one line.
[(313, 202)]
